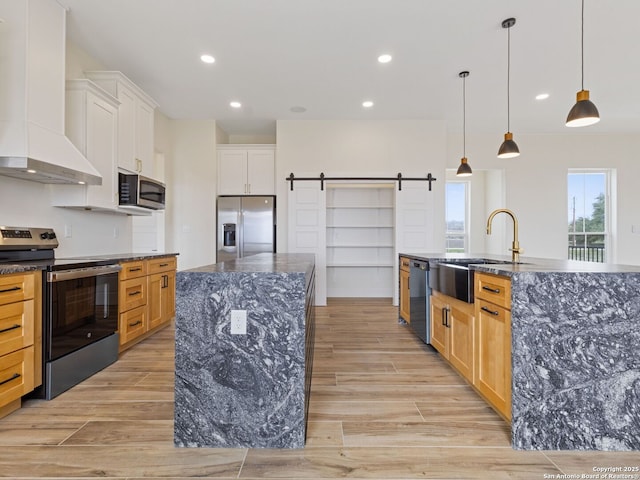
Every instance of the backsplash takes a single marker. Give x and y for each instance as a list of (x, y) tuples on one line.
[(28, 204)]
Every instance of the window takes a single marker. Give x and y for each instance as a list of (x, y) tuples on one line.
[(456, 194), (588, 199)]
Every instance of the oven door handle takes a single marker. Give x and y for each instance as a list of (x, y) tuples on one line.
[(73, 274)]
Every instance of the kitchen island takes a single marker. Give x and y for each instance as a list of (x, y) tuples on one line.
[(575, 356), (244, 346)]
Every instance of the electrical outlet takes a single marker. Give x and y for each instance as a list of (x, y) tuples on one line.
[(238, 322), (68, 231)]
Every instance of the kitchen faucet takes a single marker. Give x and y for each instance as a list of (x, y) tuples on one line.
[(515, 245)]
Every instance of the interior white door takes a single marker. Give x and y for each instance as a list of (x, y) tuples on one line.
[(307, 229)]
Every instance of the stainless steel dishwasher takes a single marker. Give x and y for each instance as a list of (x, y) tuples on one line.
[(419, 299)]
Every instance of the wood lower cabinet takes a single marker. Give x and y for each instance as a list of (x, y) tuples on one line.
[(20, 328), (492, 377), (147, 298), (405, 296), (162, 291), (452, 331)]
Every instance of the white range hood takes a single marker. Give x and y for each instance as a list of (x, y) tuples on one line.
[(33, 145)]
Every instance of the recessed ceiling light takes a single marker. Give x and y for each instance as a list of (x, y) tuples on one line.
[(298, 109), (385, 58), (31, 171), (207, 58), (80, 182), (542, 96), (235, 104), (367, 104)]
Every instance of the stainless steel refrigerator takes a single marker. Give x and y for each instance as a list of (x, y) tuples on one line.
[(246, 225)]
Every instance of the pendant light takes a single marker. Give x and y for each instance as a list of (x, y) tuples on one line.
[(509, 148), (464, 170), (584, 112)]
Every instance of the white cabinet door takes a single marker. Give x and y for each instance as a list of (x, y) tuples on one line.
[(261, 172), (232, 172), (127, 129), (144, 139), (135, 121), (102, 121), (246, 171)]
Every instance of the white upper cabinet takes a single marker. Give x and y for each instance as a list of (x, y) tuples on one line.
[(246, 170), (91, 123), (135, 121)]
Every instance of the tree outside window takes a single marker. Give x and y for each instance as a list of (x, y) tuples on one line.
[(456, 216), (588, 215)]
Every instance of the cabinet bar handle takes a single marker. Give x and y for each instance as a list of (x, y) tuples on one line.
[(13, 327), (12, 289), (492, 290), (164, 264), (492, 312), (13, 377), (133, 294), (137, 269), (135, 323)]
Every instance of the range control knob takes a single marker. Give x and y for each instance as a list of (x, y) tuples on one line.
[(47, 235)]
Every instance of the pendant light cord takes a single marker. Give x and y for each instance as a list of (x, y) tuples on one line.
[(508, 79), (464, 117), (582, 46)]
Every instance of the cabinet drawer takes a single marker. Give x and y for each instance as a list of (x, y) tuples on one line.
[(16, 375), (405, 264), (132, 324), (132, 293), (133, 270), (16, 326), (164, 264), (494, 289), (16, 288)]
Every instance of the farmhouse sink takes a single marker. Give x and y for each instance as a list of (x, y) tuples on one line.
[(455, 278)]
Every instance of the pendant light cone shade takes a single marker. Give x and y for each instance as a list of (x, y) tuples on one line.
[(509, 148), (464, 170), (584, 112)]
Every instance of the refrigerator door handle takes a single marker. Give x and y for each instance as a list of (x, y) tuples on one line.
[(240, 233)]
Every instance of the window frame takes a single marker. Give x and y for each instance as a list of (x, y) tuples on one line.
[(465, 234), (607, 250)]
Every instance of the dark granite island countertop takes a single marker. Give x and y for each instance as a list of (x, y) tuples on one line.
[(244, 390), (575, 342)]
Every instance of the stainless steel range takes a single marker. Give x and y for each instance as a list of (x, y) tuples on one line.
[(79, 307)]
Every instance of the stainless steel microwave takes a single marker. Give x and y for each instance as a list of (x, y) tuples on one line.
[(138, 191)]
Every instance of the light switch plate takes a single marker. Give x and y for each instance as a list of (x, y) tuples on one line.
[(238, 322)]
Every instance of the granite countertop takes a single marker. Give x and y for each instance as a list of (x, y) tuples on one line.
[(123, 257), (526, 264), (263, 263), (20, 267)]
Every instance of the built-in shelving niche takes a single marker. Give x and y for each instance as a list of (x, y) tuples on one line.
[(360, 239)]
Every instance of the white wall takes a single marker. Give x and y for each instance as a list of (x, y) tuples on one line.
[(536, 186), (28, 204), (191, 185), (359, 148)]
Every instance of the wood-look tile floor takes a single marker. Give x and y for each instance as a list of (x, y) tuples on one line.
[(383, 406)]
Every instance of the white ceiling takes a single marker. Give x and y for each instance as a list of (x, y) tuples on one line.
[(321, 54)]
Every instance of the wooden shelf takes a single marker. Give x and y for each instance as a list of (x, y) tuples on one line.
[(360, 240), (359, 226), (360, 246)]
